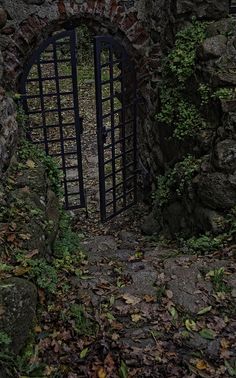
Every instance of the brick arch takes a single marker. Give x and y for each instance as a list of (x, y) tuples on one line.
[(102, 16)]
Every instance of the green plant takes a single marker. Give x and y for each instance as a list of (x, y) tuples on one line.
[(176, 180), (217, 279), (181, 60), (5, 340), (205, 93), (225, 93), (202, 244), (83, 325)]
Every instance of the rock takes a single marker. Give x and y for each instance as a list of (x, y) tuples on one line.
[(100, 247), (151, 224), (18, 299), (3, 17), (34, 2), (215, 191), (143, 279), (210, 348), (225, 155), (1, 65), (228, 105), (213, 47), (209, 220), (175, 217), (190, 290), (128, 239)]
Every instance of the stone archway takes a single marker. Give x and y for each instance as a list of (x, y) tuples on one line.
[(31, 22)]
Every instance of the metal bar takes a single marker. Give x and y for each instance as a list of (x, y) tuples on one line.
[(47, 95), (51, 111), (63, 77), (42, 106), (60, 120), (97, 64), (73, 51), (112, 128)]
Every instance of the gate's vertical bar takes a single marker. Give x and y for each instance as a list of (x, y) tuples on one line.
[(112, 127), (123, 66), (73, 50), (60, 119), (135, 139), (98, 85), (42, 106)]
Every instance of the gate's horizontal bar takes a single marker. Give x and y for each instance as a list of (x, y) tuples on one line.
[(45, 61), (50, 111), (118, 141), (111, 80), (50, 126), (123, 195), (45, 95), (118, 156), (114, 62), (120, 170), (120, 184), (49, 78)]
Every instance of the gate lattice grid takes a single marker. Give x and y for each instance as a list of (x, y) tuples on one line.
[(50, 100), (232, 7), (49, 88)]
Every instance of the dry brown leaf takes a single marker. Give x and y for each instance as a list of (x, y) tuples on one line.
[(148, 298), (201, 365), (101, 373), (20, 270), (136, 318), (30, 163), (131, 299)]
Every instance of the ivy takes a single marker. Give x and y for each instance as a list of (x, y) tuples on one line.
[(176, 180)]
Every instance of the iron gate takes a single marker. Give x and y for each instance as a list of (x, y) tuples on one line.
[(116, 127), (49, 89)]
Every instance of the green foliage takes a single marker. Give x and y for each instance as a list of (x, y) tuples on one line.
[(5, 340), (205, 93), (188, 120), (176, 180), (217, 279), (202, 244), (83, 325), (176, 109), (181, 60), (225, 93), (27, 150)]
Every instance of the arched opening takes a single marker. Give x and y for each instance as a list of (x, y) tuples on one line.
[(58, 87)]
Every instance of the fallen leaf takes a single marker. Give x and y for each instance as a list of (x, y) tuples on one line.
[(136, 317), (30, 163), (201, 365), (101, 373), (169, 294), (32, 253), (190, 325), (84, 352), (148, 298), (37, 329), (207, 333), (21, 270), (25, 236), (123, 370), (224, 343), (204, 310), (131, 299)]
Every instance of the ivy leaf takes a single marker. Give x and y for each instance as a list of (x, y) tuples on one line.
[(207, 333), (123, 370)]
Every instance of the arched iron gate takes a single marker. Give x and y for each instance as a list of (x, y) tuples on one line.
[(49, 89)]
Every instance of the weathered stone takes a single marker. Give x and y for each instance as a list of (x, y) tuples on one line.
[(175, 218), (3, 17), (215, 191), (208, 220), (18, 299), (213, 47), (190, 290), (151, 224), (36, 2), (225, 155)]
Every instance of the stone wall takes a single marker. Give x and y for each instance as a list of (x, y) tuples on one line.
[(147, 29)]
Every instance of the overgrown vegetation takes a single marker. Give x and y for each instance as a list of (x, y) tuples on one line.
[(176, 109), (176, 180)]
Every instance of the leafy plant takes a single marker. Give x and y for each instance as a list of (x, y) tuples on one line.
[(225, 93), (217, 279), (83, 325), (202, 244)]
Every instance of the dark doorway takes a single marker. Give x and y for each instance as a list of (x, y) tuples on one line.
[(51, 99)]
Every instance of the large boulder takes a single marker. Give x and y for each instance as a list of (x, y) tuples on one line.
[(213, 47), (216, 191), (18, 300), (225, 155)]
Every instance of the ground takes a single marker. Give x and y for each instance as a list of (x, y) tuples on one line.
[(137, 307)]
